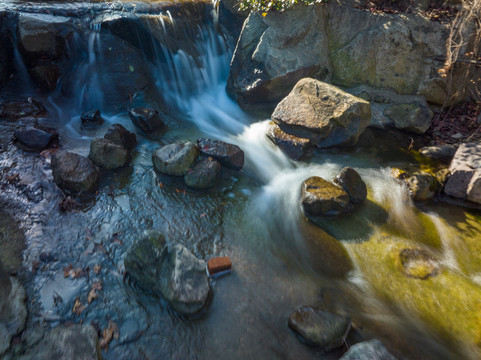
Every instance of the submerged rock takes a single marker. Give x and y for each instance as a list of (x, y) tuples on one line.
[(465, 180), (229, 155), (319, 327), (13, 311), (203, 174), (74, 342), (422, 186), (121, 136), (34, 139), (73, 172), (295, 147), (320, 197), (171, 270), (368, 350), (323, 113), (413, 117), (352, 182), (107, 154), (146, 119), (175, 159), (91, 118), (418, 263)]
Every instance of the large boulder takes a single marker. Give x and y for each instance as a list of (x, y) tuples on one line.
[(175, 159), (413, 117), (13, 311), (368, 350), (320, 197), (203, 174), (320, 328), (323, 113), (34, 139), (107, 154), (73, 172), (229, 155), (171, 270), (74, 342), (352, 182), (146, 119), (121, 136), (266, 62), (465, 180)]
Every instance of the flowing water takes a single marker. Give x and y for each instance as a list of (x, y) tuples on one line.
[(280, 259)]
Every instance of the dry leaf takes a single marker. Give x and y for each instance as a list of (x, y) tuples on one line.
[(66, 271), (78, 307), (161, 185), (97, 268), (111, 332), (92, 295)]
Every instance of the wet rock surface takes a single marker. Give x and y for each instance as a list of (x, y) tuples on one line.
[(418, 263), (146, 119), (73, 172), (34, 139), (203, 174), (368, 350), (295, 147), (121, 136), (175, 159), (320, 328), (320, 197), (107, 154), (229, 155), (46, 76), (12, 243), (352, 182), (15, 109), (91, 118), (323, 113), (422, 186)]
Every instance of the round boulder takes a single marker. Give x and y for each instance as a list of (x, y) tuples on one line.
[(73, 172), (121, 136), (351, 181), (320, 328), (320, 197), (175, 159), (203, 174), (107, 154)]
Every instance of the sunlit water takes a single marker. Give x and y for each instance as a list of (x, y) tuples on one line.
[(281, 260)]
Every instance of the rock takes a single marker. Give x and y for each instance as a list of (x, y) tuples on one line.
[(266, 62), (73, 172), (320, 197), (441, 177), (146, 119), (143, 258), (42, 34), (422, 186), (352, 182), (175, 159), (320, 328), (183, 280), (34, 139), (323, 113), (74, 342), (465, 171), (91, 118), (171, 270), (203, 174), (412, 117), (443, 153), (121, 136), (368, 350), (45, 76), (12, 243), (229, 155), (17, 109), (13, 311), (295, 147), (107, 154), (418, 263)]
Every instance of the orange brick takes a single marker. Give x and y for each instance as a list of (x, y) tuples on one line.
[(218, 264)]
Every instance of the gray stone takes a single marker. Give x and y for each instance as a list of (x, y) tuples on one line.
[(352, 182), (413, 117), (73, 172), (320, 197), (91, 118), (34, 139), (203, 174), (319, 327), (74, 342), (473, 193), (121, 136), (368, 350), (443, 153), (295, 147), (146, 119), (229, 155), (322, 112), (107, 154), (175, 159)]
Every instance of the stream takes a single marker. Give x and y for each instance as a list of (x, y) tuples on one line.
[(281, 261)]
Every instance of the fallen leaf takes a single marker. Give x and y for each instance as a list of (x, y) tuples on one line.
[(92, 295), (97, 268), (161, 185), (110, 333), (78, 307), (66, 271)]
